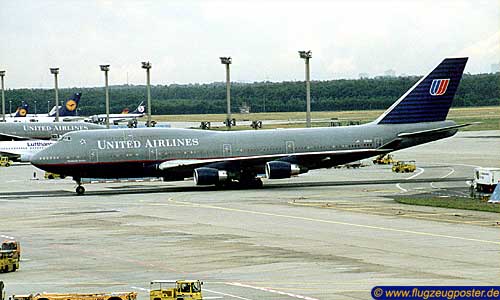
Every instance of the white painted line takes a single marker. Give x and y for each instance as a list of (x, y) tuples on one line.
[(139, 288), (224, 294), (434, 187), (270, 291), (451, 172), (380, 228), (415, 175), (402, 189)]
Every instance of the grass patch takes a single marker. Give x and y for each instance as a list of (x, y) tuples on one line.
[(450, 202), (488, 116)]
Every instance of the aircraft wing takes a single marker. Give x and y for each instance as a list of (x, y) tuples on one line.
[(308, 159), (11, 137)]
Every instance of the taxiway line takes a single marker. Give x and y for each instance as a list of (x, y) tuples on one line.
[(339, 223)]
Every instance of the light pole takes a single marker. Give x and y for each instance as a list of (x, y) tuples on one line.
[(227, 61), (147, 65), (105, 68), (55, 71), (35, 107), (10, 108), (2, 74), (48, 108), (307, 55)]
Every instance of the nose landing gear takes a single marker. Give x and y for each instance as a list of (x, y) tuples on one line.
[(80, 190)]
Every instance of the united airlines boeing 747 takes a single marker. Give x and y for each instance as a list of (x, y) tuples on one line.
[(216, 158)]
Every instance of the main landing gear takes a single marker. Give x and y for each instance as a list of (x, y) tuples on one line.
[(80, 190)]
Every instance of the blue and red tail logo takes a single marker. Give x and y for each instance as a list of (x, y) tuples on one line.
[(439, 86)]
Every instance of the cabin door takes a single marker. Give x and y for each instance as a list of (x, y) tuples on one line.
[(290, 147), (153, 154), (93, 156), (226, 150), (378, 142)]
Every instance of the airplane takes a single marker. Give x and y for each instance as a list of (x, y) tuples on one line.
[(125, 115), (67, 112), (22, 150), (224, 158), (18, 131)]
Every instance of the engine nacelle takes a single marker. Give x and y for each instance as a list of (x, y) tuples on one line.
[(281, 169), (209, 176)]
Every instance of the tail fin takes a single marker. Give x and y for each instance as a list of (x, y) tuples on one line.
[(429, 100), (69, 108), (22, 110), (140, 109)]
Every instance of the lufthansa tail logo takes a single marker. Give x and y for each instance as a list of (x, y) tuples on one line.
[(439, 86), (71, 105)]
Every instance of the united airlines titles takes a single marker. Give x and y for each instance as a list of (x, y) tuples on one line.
[(154, 143)]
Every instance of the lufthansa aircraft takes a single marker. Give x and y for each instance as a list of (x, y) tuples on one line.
[(125, 115), (217, 158), (67, 112)]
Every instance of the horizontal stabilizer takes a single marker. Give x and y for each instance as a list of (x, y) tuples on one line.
[(424, 132)]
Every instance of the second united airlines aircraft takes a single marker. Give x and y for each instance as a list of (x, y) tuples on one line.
[(217, 158)]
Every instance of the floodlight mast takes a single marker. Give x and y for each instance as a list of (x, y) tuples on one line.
[(147, 65), (55, 71), (307, 55), (105, 69), (2, 74), (227, 61)]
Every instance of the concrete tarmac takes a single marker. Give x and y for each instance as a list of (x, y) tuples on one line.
[(328, 234)]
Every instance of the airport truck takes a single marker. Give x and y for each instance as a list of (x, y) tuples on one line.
[(12, 245), (486, 179), (175, 290), (404, 167), (384, 159), (71, 296), (5, 161), (9, 261)]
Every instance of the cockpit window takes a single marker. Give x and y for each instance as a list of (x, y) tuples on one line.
[(67, 138)]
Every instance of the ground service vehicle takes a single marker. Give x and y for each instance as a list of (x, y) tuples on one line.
[(486, 179), (70, 296), (9, 261), (184, 289), (5, 162), (50, 175), (11, 245), (384, 159), (404, 167)]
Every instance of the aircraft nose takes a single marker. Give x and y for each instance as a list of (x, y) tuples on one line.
[(36, 158)]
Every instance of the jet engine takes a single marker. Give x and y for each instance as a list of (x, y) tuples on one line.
[(209, 176), (281, 169)]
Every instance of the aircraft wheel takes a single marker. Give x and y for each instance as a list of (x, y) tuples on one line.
[(80, 190), (14, 268)]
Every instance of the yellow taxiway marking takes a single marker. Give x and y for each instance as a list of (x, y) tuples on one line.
[(338, 222)]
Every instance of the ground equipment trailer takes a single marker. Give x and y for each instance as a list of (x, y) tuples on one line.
[(404, 167), (70, 296), (175, 290)]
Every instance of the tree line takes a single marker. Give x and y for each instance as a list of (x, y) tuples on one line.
[(329, 95)]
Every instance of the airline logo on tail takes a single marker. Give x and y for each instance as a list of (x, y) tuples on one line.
[(439, 86), (71, 105)]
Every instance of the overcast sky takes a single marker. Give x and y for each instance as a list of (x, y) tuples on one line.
[(184, 39)]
